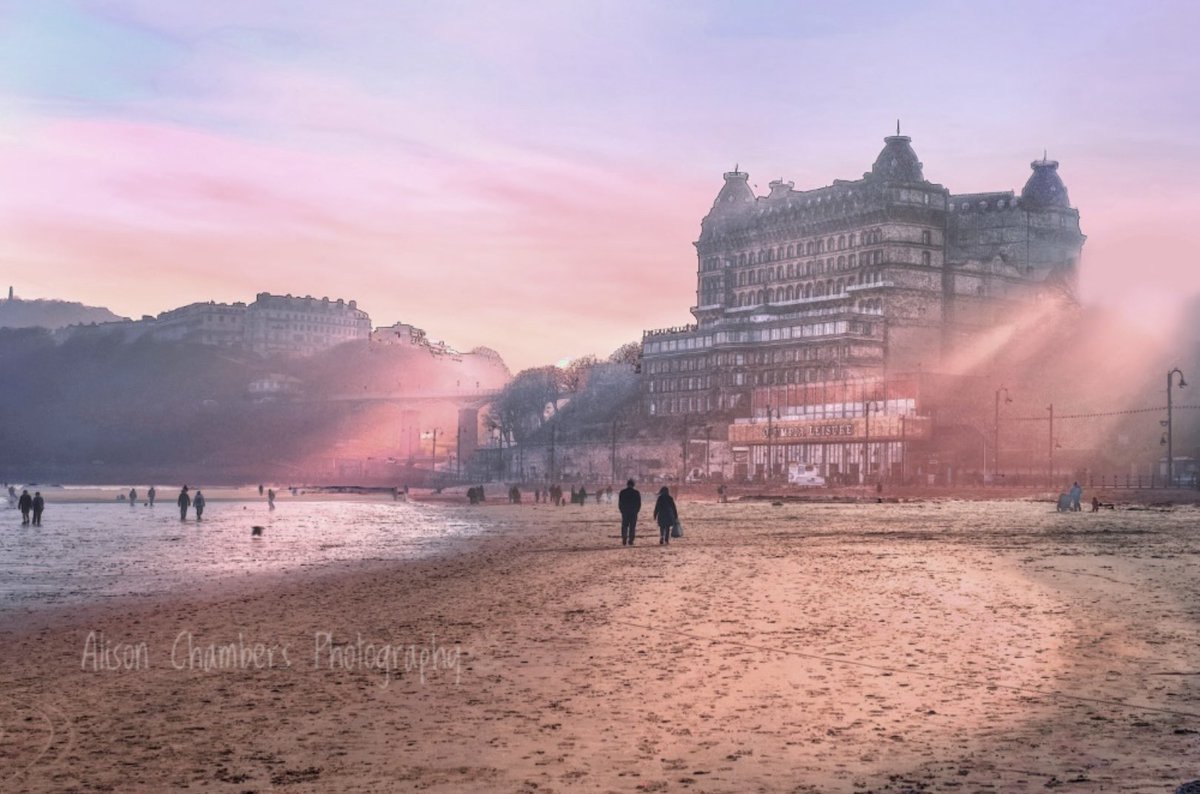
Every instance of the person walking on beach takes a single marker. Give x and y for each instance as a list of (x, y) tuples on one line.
[(271, 498), (184, 501), (1076, 494), (39, 504), (26, 504), (199, 503), (151, 494), (666, 515), (629, 502), (132, 497)]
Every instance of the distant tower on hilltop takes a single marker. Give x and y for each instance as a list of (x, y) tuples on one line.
[(10, 293)]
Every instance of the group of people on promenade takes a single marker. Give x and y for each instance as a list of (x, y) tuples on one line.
[(629, 503)]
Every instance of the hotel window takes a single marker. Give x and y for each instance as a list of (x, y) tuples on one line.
[(926, 237), (926, 258)]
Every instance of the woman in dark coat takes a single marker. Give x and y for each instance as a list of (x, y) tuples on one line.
[(666, 515)]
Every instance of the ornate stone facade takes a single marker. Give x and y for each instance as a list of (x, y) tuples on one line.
[(885, 274)]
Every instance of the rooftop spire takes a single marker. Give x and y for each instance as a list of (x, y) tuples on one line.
[(897, 126)]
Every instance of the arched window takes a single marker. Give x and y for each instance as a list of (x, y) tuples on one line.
[(753, 276), (741, 259), (790, 251), (841, 242), (853, 260), (840, 286), (779, 272), (841, 263), (791, 271), (820, 246), (761, 297), (788, 294), (808, 290)]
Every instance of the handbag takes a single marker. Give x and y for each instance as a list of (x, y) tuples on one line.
[(677, 530)]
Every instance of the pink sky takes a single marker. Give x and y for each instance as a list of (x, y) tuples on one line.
[(531, 179)]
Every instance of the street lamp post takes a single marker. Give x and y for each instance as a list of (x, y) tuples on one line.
[(770, 445), (613, 478), (1170, 439), (1050, 456), (996, 433), (866, 442), (683, 479), (707, 452)]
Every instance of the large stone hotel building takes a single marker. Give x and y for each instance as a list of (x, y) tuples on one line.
[(820, 313)]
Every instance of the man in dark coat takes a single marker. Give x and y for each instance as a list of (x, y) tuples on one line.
[(629, 502), (39, 504), (26, 504), (184, 501)]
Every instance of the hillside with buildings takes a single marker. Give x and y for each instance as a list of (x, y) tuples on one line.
[(105, 406), (17, 312)]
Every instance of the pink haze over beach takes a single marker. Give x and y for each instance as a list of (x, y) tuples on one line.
[(532, 178)]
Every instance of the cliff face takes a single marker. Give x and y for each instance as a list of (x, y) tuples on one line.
[(51, 314)]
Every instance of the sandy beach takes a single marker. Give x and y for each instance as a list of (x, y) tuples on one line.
[(931, 646)]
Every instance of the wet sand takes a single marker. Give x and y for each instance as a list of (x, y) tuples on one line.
[(958, 646)]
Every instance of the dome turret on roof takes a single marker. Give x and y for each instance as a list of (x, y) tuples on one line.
[(736, 192), (1045, 187), (897, 162), (735, 200)]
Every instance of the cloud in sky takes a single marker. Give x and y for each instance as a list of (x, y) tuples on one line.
[(531, 176)]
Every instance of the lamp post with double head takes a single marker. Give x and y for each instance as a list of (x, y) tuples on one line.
[(1170, 438)]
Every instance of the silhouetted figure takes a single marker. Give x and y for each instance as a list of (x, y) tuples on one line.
[(629, 502), (721, 494), (1095, 504), (26, 504), (184, 501), (132, 497), (1076, 494), (39, 504), (260, 489), (199, 503), (151, 494), (271, 498), (582, 496), (599, 493), (666, 515)]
